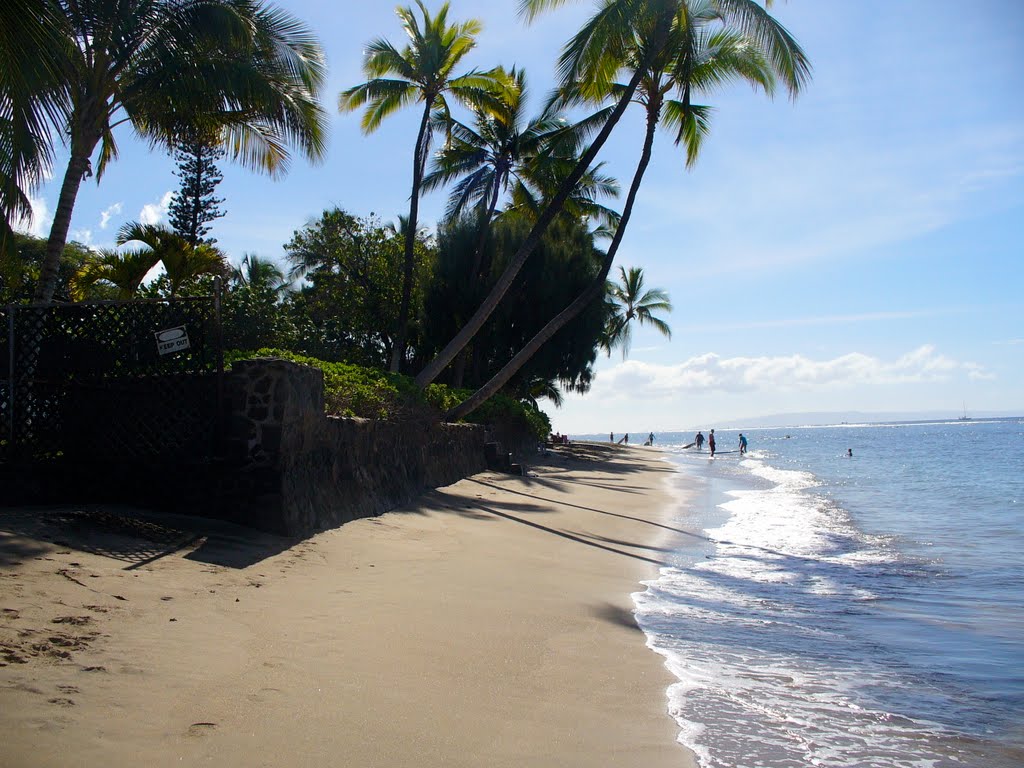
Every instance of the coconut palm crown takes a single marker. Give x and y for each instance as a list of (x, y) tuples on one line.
[(422, 72), (246, 69), (629, 302)]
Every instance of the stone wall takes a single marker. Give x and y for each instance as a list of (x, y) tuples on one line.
[(299, 471)]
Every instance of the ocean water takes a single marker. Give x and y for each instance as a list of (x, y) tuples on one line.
[(859, 612)]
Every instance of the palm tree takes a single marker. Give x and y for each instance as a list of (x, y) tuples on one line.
[(32, 102), (681, 53), (246, 69), (590, 62), (261, 275), (541, 178), (421, 72), (182, 261), (628, 301), (487, 158), (124, 271)]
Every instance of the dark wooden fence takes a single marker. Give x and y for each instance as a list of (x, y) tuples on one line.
[(133, 382)]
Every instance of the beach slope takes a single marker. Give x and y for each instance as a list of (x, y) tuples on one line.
[(488, 624)]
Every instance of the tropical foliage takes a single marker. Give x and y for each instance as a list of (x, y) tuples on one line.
[(513, 287), (566, 261), (629, 302), (422, 72), (248, 70), (370, 393), (19, 273), (121, 273), (353, 270), (182, 261)]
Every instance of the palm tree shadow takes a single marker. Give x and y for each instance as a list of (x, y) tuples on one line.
[(613, 614), (505, 489)]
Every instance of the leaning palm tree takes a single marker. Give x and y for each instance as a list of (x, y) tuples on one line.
[(540, 179), (182, 261), (590, 61), (695, 50), (486, 158), (629, 302), (124, 272), (248, 70), (421, 72)]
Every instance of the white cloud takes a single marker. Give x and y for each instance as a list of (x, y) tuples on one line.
[(154, 213), (83, 236), (113, 210), (637, 380), (38, 224)]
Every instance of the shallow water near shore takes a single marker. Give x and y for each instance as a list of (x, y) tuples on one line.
[(864, 611)]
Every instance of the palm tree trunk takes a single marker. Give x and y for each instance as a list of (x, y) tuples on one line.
[(459, 369), (419, 162), (78, 166), (481, 268), (438, 364), (485, 227), (592, 292)]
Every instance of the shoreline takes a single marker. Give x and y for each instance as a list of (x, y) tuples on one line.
[(488, 623)]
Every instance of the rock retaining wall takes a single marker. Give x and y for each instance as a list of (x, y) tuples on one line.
[(299, 471)]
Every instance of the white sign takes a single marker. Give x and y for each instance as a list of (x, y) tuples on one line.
[(171, 340)]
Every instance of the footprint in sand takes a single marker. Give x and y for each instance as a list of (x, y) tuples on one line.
[(201, 729), (77, 621), (61, 701), (262, 695)]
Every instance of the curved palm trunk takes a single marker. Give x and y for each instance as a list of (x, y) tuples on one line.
[(438, 364), (78, 166), (481, 268), (419, 161), (592, 292)]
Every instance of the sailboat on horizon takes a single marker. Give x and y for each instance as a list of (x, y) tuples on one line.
[(965, 417)]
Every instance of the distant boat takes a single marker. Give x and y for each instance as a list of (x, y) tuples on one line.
[(965, 417)]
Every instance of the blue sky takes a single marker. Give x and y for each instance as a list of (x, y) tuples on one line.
[(857, 249)]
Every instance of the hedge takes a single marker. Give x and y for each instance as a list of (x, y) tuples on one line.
[(369, 393)]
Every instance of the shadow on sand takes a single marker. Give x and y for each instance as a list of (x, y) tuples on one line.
[(136, 537)]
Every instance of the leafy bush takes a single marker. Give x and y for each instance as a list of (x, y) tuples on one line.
[(353, 390)]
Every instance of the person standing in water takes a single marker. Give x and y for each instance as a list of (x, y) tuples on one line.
[(711, 443), (699, 440), (743, 444), (650, 439)]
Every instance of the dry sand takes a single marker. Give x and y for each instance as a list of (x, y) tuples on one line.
[(489, 624)]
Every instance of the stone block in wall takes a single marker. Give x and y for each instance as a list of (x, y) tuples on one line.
[(311, 471)]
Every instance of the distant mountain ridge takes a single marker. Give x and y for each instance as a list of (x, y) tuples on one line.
[(813, 418)]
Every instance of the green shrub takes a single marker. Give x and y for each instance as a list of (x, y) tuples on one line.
[(353, 390)]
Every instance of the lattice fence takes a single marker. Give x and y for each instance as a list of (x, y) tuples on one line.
[(112, 381), (5, 383)]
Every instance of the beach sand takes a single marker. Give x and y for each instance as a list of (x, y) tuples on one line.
[(487, 624)]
